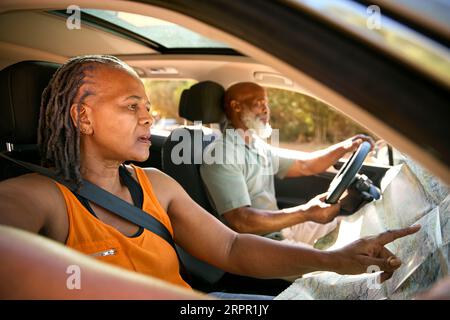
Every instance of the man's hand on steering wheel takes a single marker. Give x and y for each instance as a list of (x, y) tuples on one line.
[(351, 144), (348, 171)]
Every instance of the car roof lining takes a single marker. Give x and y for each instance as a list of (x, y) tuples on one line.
[(102, 24), (15, 28)]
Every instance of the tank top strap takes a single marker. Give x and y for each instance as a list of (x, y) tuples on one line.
[(153, 203)]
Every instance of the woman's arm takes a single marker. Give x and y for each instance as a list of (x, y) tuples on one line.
[(34, 203), (34, 267), (206, 238)]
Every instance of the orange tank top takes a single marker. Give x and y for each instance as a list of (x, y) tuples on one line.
[(146, 253)]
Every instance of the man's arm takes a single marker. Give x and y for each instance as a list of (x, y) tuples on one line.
[(319, 161), (227, 187), (257, 221)]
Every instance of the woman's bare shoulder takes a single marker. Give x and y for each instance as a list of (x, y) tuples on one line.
[(164, 186), (29, 184), (154, 175), (33, 202)]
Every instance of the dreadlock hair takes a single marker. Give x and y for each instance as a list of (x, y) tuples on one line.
[(58, 137)]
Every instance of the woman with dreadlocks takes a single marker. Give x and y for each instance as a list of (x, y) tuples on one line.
[(94, 117)]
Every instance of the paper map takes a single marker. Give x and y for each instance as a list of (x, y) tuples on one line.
[(410, 195)]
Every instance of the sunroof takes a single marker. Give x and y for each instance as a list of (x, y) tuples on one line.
[(165, 33)]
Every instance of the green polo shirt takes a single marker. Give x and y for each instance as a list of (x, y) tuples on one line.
[(238, 175)]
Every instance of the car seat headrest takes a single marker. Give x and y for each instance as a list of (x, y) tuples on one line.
[(203, 102), (21, 87)]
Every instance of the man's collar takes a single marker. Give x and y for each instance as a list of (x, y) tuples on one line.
[(256, 143), (237, 133)]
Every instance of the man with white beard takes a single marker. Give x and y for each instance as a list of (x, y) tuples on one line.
[(241, 186)]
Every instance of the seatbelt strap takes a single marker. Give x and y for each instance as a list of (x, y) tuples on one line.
[(106, 200)]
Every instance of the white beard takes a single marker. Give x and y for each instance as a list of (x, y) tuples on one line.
[(263, 130)]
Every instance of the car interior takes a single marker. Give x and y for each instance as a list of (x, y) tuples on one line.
[(35, 42), (22, 84)]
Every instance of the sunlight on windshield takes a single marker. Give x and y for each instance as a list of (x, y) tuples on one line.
[(398, 39), (168, 34)]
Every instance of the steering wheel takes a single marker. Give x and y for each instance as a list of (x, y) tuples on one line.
[(347, 173)]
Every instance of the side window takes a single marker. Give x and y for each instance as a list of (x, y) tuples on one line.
[(164, 96), (307, 124)]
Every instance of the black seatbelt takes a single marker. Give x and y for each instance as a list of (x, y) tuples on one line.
[(106, 200), (134, 188)]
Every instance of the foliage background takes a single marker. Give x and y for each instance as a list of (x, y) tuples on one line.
[(304, 122), (304, 119)]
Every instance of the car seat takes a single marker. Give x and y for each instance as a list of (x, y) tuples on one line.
[(21, 87)]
